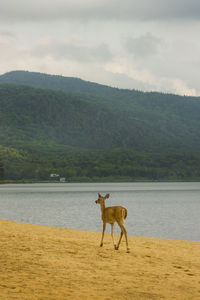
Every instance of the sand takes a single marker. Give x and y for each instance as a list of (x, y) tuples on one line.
[(41, 262)]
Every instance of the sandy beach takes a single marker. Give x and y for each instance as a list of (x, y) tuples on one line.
[(41, 262)]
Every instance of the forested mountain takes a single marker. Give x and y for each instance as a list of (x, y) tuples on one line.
[(109, 95), (68, 121), (30, 114)]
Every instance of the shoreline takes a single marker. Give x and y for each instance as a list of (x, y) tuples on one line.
[(26, 181), (99, 232), (42, 262)]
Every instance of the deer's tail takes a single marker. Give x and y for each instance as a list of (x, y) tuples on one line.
[(124, 213)]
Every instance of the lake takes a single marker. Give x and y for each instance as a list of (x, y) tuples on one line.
[(164, 210)]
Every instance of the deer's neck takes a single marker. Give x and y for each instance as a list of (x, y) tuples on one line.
[(102, 208)]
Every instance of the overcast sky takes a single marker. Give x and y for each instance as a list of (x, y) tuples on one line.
[(150, 45)]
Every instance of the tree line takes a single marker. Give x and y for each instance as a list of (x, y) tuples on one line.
[(113, 165)]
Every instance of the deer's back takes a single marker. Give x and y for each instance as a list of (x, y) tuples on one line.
[(114, 214)]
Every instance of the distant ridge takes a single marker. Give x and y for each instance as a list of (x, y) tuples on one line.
[(89, 115), (74, 84), (56, 82)]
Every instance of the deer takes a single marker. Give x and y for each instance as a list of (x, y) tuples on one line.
[(111, 215)]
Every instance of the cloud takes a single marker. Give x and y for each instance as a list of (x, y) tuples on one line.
[(143, 46), (137, 44), (147, 80), (60, 49), (7, 34), (41, 10)]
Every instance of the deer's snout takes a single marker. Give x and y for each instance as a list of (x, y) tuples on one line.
[(96, 201)]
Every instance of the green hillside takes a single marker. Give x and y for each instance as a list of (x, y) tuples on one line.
[(44, 116), (86, 130)]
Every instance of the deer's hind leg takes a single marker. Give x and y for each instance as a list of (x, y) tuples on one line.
[(117, 247), (114, 244), (123, 231)]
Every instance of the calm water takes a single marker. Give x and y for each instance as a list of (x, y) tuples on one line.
[(166, 210)]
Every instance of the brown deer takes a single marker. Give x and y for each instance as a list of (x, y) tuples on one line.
[(111, 215)]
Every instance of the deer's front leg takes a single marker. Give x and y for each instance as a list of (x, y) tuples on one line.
[(104, 227)]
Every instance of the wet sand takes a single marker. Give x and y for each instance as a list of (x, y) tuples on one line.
[(41, 262)]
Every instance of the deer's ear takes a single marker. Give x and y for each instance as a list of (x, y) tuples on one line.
[(99, 195), (107, 195)]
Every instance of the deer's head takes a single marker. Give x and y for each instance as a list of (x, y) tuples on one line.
[(101, 199)]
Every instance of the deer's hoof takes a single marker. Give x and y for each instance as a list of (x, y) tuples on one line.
[(101, 245), (128, 250), (116, 248)]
